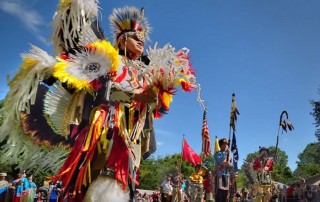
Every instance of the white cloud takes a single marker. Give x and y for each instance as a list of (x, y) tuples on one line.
[(30, 18), (159, 143), (163, 132)]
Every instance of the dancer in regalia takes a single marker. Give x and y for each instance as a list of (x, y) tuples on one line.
[(263, 166), (90, 110)]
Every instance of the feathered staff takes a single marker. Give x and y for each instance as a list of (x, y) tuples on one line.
[(233, 119), (284, 124)]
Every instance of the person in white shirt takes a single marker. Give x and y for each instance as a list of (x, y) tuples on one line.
[(167, 189)]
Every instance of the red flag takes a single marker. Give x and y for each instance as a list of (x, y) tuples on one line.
[(206, 147), (189, 155)]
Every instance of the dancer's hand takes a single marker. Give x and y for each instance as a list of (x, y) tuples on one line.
[(148, 96)]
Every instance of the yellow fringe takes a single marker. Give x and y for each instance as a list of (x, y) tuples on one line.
[(105, 145), (131, 119), (167, 99), (89, 172), (63, 5), (73, 82), (84, 182), (88, 140)]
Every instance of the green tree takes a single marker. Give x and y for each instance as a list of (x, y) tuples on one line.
[(248, 177), (209, 162), (242, 180), (308, 164), (316, 114), (153, 170), (281, 171), (1, 113)]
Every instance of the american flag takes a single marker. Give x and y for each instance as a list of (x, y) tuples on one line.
[(206, 147)]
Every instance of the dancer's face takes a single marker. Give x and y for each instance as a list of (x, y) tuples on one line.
[(134, 44), (264, 153)]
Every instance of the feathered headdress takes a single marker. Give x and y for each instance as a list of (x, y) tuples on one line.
[(128, 19)]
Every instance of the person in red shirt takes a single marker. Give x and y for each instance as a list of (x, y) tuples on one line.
[(290, 193), (156, 195), (263, 165), (208, 185)]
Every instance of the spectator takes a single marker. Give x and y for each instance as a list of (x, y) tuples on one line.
[(283, 193), (290, 193), (301, 189), (308, 193), (245, 195), (18, 184), (56, 190), (208, 185), (317, 193), (196, 182), (4, 187), (238, 197), (177, 187), (166, 195), (32, 189), (156, 195), (44, 192)]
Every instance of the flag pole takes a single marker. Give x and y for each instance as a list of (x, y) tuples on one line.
[(183, 135), (232, 128), (233, 119)]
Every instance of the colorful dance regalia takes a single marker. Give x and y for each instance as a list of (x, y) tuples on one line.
[(79, 111), (263, 166)]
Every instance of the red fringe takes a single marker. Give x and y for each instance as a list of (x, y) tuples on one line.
[(186, 86)]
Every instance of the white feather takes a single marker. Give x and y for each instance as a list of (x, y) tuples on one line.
[(168, 66), (88, 36), (106, 189), (78, 65), (70, 20), (19, 149), (56, 105)]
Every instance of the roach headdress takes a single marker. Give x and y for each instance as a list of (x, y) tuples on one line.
[(128, 19)]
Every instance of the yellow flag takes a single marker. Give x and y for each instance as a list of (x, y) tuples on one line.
[(216, 145)]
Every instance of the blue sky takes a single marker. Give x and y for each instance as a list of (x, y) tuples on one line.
[(265, 51)]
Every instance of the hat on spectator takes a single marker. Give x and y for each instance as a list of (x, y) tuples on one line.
[(263, 149), (223, 141)]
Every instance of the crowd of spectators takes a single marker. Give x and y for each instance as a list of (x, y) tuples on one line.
[(23, 189)]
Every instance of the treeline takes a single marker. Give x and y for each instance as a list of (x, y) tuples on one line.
[(154, 169)]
